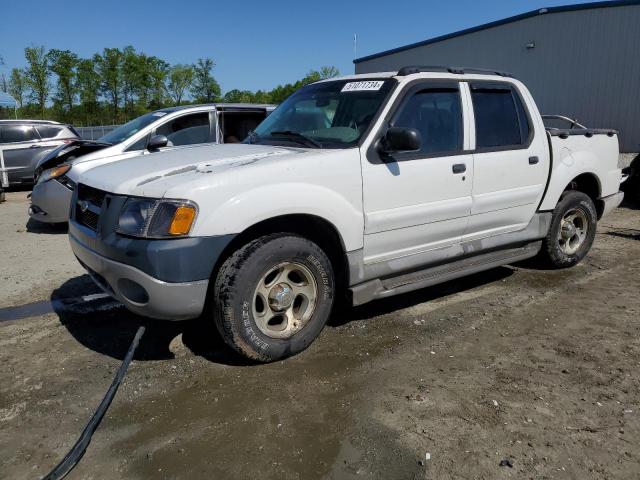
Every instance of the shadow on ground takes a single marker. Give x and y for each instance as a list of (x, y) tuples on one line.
[(34, 226), (108, 328)]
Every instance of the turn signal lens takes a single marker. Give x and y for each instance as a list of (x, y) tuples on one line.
[(53, 173), (182, 220)]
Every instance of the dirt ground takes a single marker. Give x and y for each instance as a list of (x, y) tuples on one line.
[(540, 368)]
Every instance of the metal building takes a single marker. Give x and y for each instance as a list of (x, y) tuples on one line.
[(579, 60)]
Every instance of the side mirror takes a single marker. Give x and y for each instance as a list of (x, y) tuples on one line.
[(157, 142), (400, 139)]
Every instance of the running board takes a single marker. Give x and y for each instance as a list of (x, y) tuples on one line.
[(380, 288)]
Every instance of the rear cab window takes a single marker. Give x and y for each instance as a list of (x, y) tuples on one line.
[(501, 119)]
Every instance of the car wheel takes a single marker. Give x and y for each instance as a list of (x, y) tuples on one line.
[(573, 228), (273, 296)]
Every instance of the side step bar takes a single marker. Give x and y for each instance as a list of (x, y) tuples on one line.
[(380, 288)]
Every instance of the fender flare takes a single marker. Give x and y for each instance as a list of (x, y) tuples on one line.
[(570, 166)]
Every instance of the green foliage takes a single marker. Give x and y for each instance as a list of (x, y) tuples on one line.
[(109, 69), (63, 64), (205, 89), (117, 85), (180, 78), (17, 86), (37, 76)]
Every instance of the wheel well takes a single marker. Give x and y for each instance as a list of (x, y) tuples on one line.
[(588, 184), (314, 228)]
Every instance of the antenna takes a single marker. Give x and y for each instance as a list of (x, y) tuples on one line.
[(355, 46)]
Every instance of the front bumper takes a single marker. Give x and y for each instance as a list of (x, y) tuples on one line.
[(611, 202), (50, 202), (139, 292)]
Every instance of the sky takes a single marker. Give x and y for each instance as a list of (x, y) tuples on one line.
[(255, 44)]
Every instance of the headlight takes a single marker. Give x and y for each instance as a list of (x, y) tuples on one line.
[(143, 217), (55, 172)]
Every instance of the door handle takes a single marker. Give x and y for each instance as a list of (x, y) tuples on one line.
[(458, 168), (533, 160), (33, 146)]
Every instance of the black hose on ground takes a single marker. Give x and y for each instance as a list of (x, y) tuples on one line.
[(77, 451)]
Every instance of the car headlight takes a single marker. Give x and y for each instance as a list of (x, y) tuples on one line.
[(150, 218), (54, 172)]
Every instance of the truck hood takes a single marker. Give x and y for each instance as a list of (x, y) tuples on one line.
[(153, 175)]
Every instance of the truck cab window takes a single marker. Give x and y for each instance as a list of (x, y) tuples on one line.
[(437, 115), (500, 117)]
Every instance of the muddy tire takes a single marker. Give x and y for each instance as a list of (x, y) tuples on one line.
[(273, 296), (573, 228)]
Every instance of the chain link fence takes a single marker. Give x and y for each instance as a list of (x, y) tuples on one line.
[(95, 132)]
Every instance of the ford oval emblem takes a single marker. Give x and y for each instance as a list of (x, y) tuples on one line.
[(84, 206)]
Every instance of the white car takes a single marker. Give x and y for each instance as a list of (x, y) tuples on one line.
[(58, 172), (371, 184)]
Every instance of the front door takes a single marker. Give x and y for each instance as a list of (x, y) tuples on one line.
[(417, 203)]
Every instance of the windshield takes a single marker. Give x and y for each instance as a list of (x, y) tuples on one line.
[(125, 131), (332, 114)]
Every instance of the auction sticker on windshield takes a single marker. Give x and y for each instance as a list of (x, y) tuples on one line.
[(361, 86)]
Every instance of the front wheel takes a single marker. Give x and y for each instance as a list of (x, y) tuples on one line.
[(273, 296), (572, 231)]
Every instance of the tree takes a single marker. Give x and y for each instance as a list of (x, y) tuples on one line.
[(157, 71), (328, 72), (239, 96), (63, 64), (88, 82), (109, 68), (180, 78), (205, 89), (37, 75), (17, 85), (130, 76)]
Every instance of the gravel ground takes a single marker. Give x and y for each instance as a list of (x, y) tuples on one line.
[(535, 369)]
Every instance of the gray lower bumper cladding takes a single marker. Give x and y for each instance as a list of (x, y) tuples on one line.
[(140, 292)]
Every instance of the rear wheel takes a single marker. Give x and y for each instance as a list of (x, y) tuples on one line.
[(572, 231), (273, 296)]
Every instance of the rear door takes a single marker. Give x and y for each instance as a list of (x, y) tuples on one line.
[(510, 161), (418, 202)]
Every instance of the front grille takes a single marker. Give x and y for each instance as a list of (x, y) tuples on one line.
[(88, 219), (88, 205), (91, 195)]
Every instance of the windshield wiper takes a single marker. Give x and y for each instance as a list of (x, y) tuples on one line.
[(303, 139)]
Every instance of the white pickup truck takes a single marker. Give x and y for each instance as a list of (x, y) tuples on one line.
[(373, 185)]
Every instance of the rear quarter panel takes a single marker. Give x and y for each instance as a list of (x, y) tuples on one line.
[(579, 154)]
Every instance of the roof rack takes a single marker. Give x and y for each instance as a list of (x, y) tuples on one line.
[(408, 70), (30, 120)]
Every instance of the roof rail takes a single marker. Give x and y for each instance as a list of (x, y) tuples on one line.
[(30, 120), (408, 70)]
